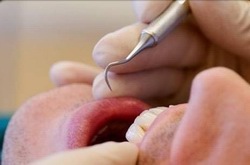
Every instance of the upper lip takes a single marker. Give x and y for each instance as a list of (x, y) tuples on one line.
[(162, 133)]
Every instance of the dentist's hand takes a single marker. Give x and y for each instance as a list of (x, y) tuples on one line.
[(109, 153), (216, 35), (68, 72)]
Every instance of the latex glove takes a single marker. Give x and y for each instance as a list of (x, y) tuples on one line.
[(216, 35), (68, 72), (109, 153)]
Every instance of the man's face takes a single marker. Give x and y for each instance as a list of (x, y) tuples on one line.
[(66, 118), (214, 128)]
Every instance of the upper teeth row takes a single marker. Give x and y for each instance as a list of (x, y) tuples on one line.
[(142, 123)]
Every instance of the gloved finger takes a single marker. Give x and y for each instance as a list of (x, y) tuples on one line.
[(146, 11), (109, 153), (226, 23), (215, 128), (183, 48), (158, 82), (66, 72)]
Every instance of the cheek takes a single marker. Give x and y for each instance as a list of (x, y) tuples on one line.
[(156, 145), (35, 129), (27, 138)]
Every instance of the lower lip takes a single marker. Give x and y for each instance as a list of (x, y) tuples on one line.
[(101, 120)]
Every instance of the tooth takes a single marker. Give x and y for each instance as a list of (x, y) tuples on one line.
[(146, 118), (158, 110), (135, 133), (142, 123)]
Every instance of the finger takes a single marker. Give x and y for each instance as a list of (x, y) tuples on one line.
[(153, 83), (182, 48), (65, 72), (146, 11), (106, 154), (226, 23), (215, 128)]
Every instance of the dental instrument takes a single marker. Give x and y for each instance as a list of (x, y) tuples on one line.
[(155, 31)]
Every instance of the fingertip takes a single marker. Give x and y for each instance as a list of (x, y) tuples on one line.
[(108, 153), (67, 72), (129, 150), (117, 45), (131, 147), (102, 50), (116, 153), (57, 70), (100, 88), (121, 146)]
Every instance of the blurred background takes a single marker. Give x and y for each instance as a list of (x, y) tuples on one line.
[(36, 34)]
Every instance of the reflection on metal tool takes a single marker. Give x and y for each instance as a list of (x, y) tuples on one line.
[(155, 31)]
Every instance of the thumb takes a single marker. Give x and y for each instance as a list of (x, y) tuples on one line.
[(110, 153), (226, 23)]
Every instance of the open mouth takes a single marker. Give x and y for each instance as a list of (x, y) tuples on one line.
[(68, 117), (109, 119), (102, 120)]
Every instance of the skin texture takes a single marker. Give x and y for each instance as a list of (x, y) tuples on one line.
[(214, 129), (207, 130), (217, 126), (68, 72), (34, 130), (65, 118), (155, 146)]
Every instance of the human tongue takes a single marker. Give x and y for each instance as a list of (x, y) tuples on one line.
[(102, 120), (155, 146)]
